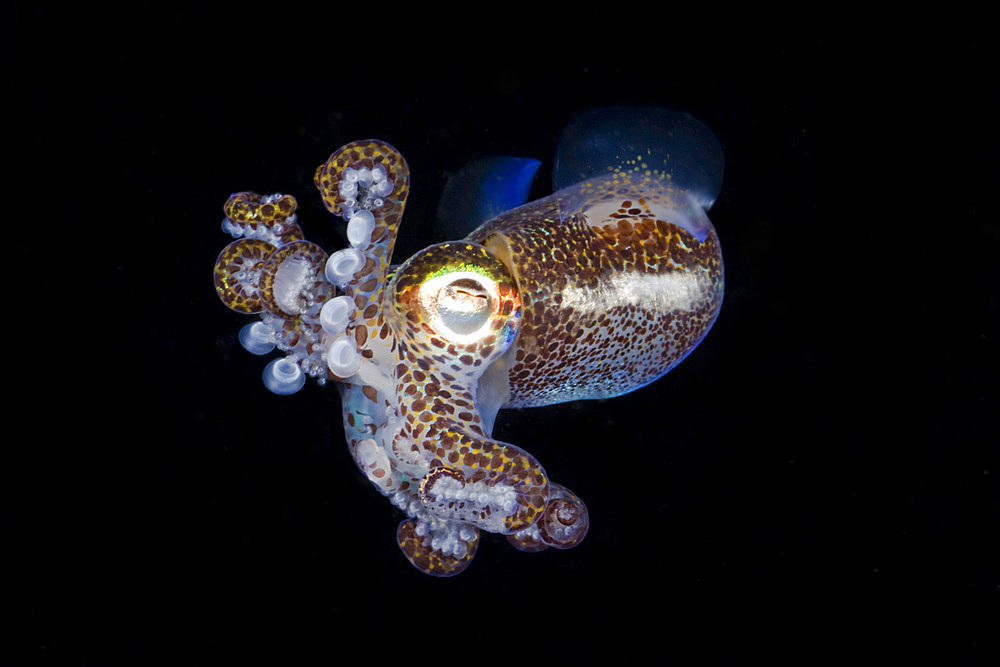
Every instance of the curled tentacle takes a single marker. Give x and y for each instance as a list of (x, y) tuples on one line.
[(366, 183), (455, 312), (270, 218), (442, 550), (563, 524), (292, 281), (493, 485), (369, 181), (237, 274), (590, 292)]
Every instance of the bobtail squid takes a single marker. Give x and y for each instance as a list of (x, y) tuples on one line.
[(591, 292)]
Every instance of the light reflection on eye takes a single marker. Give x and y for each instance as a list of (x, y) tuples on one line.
[(460, 306)]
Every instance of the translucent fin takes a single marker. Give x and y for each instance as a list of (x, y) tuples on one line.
[(482, 190), (494, 388), (672, 142)]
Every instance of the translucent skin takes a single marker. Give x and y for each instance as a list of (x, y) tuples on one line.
[(591, 292), (614, 295)]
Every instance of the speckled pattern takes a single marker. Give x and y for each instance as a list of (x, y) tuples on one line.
[(248, 209), (237, 274), (436, 380), (658, 290), (590, 292)]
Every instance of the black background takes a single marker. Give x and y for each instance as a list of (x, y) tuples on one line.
[(818, 479)]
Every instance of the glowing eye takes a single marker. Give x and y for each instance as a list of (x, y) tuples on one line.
[(460, 306), (464, 306)]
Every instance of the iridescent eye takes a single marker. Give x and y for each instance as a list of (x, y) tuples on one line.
[(461, 305), (464, 306)]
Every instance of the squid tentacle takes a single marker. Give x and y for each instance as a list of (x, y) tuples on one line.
[(591, 292)]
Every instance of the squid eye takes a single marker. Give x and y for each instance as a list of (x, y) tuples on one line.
[(464, 306), (460, 306)]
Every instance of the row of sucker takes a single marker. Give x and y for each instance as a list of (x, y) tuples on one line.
[(455, 310), (291, 282), (408, 356), (366, 183), (270, 270)]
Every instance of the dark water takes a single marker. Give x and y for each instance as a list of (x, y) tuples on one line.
[(819, 478)]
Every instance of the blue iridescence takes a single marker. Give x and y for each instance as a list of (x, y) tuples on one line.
[(483, 190)]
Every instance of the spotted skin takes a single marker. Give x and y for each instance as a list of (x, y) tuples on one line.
[(436, 381), (365, 287), (253, 212), (610, 303), (237, 274), (432, 561), (591, 292)]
